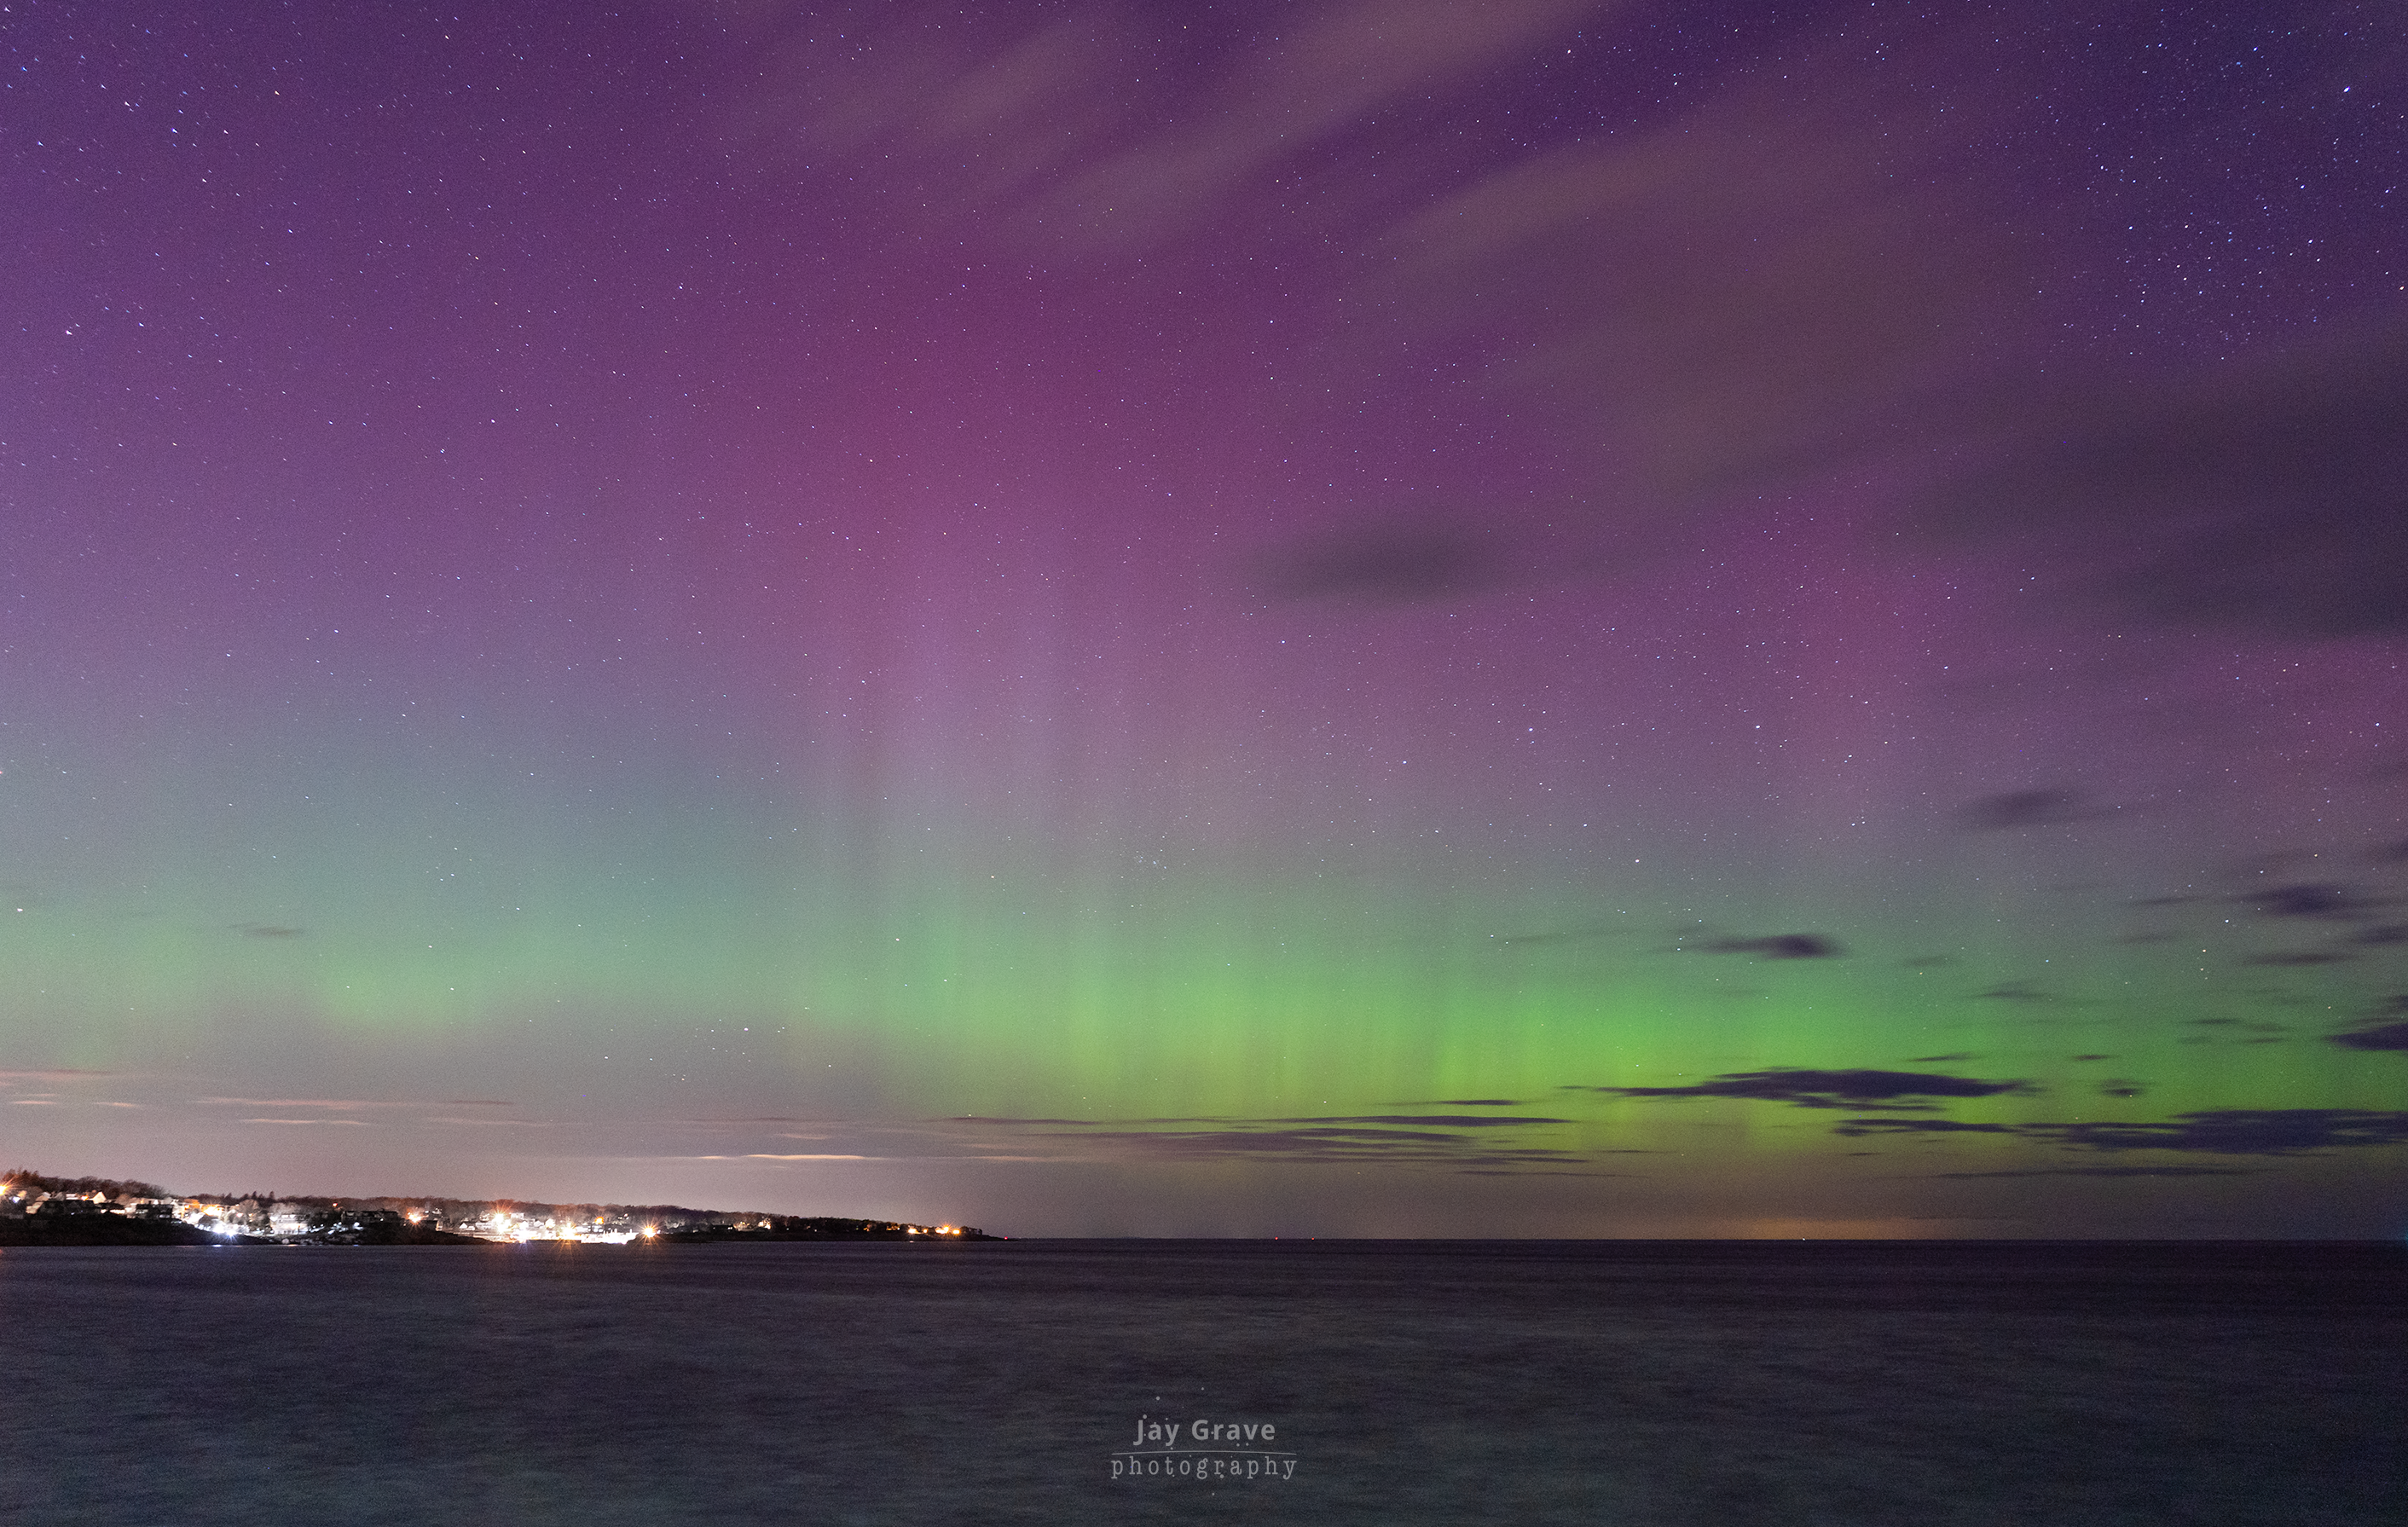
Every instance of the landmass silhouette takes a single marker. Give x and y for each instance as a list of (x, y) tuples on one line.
[(40, 1210)]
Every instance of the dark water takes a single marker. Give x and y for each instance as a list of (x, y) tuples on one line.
[(1610, 1383)]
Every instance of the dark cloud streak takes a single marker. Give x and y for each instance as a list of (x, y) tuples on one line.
[(1829, 1089), (2269, 494), (2388, 1036), (1777, 947), (2029, 809)]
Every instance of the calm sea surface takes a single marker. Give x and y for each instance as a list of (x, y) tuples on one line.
[(1610, 1383)]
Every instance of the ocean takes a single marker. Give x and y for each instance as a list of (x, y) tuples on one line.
[(1623, 1384)]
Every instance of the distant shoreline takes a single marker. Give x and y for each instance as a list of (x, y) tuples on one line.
[(41, 1210), (119, 1230)]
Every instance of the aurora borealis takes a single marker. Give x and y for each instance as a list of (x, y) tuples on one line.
[(1366, 619)]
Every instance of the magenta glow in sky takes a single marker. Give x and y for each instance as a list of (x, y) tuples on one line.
[(1347, 619)]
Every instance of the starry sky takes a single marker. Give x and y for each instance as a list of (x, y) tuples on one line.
[(1376, 617)]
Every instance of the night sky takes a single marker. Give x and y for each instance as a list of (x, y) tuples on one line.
[(1380, 618)]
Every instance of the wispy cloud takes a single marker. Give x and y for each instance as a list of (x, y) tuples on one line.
[(2258, 492), (1457, 1140), (1829, 1089), (770, 1156), (1775, 947), (2023, 992), (341, 1103), (2116, 1172), (2392, 1036), (1853, 1127), (2238, 1132), (2219, 1131), (1387, 562), (2308, 901), (2029, 809)]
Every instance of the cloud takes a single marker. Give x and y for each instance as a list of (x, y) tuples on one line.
[(358, 1124), (2301, 957), (1404, 1139), (2383, 1037), (2237, 1132), (1450, 1120), (1763, 278), (1396, 1145), (2268, 494), (1323, 75), (1285, 1139), (2304, 901), (1386, 564), (1940, 1060), (1478, 1120), (1089, 136), (52, 1075), (1747, 294), (1829, 1089), (2029, 809), (2116, 1172), (2388, 932), (344, 1102), (1536, 1169), (2013, 991), (1855, 1127), (269, 930), (2227, 1132), (1777, 947), (2120, 1087), (768, 1156)]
